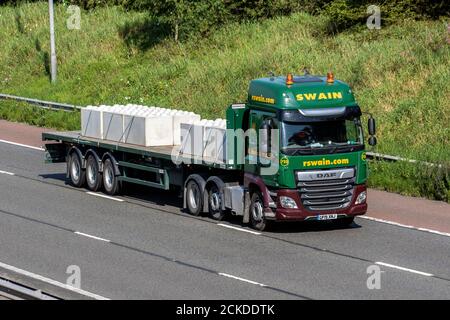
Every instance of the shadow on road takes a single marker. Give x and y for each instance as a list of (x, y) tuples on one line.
[(296, 226), (173, 199), (54, 176), (309, 226), (153, 195)]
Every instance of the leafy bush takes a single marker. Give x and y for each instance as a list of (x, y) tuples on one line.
[(199, 17), (435, 182), (414, 179), (347, 13), (202, 16)]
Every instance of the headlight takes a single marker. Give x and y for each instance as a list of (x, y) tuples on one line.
[(361, 198), (287, 202)]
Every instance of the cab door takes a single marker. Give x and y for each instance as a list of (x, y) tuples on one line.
[(260, 152)]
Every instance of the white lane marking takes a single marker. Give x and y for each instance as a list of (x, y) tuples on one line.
[(241, 279), (239, 229), (406, 226), (404, 269), (21, 145), (8, 173), (104, 196), (52, 282), (91, 236)]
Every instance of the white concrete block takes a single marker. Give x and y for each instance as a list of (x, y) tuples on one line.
[(91, 122), (214, 144), (192, 139), (113, 126), (148, 131), (143, 125), (178, 119)]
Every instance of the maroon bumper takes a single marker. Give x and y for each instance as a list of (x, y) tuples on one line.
[(283, 214)]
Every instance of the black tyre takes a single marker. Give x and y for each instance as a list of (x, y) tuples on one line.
[(94, 179), (257, 219), (194, 198), (110, 180), (76, 173), (215, 197)]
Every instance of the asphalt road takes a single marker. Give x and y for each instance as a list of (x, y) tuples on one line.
[(145, 247)]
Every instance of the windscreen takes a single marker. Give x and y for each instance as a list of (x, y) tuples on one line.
[(337, 133)]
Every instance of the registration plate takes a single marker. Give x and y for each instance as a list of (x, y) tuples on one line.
[(327, 217)]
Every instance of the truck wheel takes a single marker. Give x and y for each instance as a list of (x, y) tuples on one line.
[(194, 198), (94, 178), (215, 203), (76, 172), (257, 219), (110, 181)]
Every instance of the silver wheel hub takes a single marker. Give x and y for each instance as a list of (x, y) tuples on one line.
[(214, 201), (193, 194), (109, 178), (91, 174), (257, 211), (75, 170)]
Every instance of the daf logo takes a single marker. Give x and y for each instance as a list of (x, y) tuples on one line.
[(326, 175), (346, 173)]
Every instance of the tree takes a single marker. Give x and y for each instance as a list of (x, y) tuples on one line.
[(186, 16)]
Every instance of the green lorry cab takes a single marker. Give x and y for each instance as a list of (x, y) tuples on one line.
[(295, 151)]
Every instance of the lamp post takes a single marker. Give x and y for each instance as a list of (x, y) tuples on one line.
[(52, 42)]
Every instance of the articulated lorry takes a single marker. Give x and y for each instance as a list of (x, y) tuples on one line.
[(293, 151)]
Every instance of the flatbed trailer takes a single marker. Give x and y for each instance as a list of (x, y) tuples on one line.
[(158, 160)]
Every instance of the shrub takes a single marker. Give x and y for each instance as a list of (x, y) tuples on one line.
[(347, 13)]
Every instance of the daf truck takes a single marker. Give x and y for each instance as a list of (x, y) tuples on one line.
[(294, 151)]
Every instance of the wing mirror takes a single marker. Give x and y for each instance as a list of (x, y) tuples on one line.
[(372, 130), (371, 125)]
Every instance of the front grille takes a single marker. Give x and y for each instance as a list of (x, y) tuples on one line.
[(326, 194)]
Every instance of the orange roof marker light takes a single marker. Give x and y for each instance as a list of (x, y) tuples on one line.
[(289, 79), (330, 77)]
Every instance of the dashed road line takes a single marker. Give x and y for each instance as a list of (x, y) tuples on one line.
[(241, 279), (238, 229), (405, 226), (159, 256), (405, 269), (52, 282), (22, 145), (8, 173), (263, 286), (91, 236), (104, 196)]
